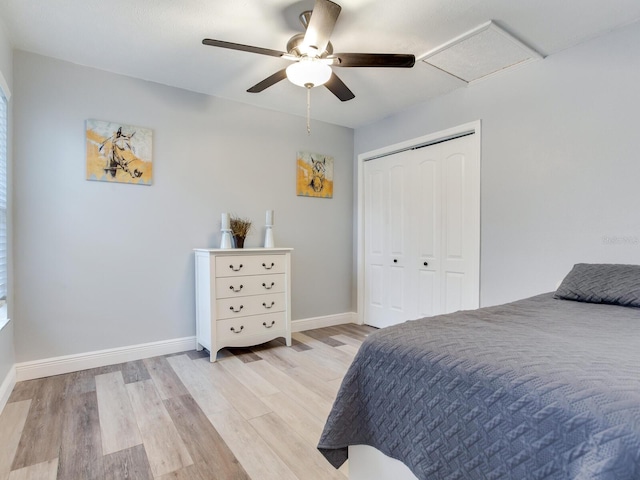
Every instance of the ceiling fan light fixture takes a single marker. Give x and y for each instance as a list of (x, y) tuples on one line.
[(309, 72)]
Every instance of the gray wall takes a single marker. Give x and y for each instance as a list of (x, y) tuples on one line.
[(7, 357), (102, 265), (560, 163)]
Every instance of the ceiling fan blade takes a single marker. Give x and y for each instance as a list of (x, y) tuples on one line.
[(392, 60), (269, 81), (339, 89), (243, 48), (323, 19)]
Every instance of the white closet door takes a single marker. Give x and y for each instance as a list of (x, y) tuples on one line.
[(421, 216), (460, 225), (388, 288), (427, 219)]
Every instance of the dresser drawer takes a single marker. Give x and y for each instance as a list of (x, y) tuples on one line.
[(227, 287), (232, 331), (253, 305), (237, 265)]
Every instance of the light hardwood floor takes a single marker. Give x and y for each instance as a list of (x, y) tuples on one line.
[(255, 414)]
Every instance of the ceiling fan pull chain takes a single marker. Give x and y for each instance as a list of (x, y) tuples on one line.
[(308, 109)]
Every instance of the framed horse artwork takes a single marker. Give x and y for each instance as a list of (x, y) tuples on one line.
[(118, 153), (315, 175)]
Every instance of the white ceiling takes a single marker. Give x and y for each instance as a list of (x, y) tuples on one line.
[(160, 40)]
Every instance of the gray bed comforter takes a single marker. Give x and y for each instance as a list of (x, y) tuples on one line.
[(536, 389)]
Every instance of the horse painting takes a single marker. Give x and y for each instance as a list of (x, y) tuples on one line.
[(119, 153), (315, 175)]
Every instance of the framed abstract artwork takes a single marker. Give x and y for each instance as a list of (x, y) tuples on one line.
[(119, 153), (314, 175)]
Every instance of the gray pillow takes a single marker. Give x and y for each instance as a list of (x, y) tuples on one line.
[(602, 283)]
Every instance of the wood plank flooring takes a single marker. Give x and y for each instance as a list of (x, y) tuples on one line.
[(255, 414)]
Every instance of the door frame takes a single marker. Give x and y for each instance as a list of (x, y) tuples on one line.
[(426, 140)]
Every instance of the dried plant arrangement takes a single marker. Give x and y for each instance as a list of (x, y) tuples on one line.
[(240, 227)]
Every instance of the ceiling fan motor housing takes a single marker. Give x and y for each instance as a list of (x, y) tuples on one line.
[(295, 42)]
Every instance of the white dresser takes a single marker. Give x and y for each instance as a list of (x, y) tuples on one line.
[(243, 297)]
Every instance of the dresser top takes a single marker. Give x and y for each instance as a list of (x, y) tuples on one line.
[(243, 250)]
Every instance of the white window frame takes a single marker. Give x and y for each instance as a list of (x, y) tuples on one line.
[(4, 200)]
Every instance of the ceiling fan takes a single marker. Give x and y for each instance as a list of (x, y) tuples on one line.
[(313, 56)]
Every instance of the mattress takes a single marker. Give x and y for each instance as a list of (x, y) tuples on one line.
[(540, 388)]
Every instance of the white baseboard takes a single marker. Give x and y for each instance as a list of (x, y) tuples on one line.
[(7, 387), (325, 321), (82, 361)]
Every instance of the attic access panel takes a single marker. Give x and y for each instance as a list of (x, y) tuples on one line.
[(480, 52)]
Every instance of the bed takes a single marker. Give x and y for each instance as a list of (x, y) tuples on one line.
[(543, 388)]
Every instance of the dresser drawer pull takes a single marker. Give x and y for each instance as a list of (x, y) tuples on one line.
[(270, 267), (236, 290), (268, 287), (234, 310), (237, 331), (268, 306), (273, 322), (235, 269)]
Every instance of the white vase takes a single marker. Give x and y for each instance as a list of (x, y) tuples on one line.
[(225, 239), (268, 237)]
